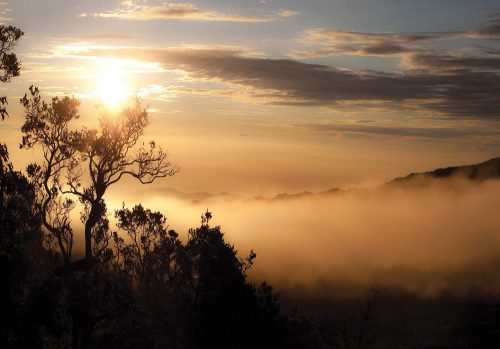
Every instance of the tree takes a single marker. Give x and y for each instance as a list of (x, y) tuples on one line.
[(84, 163), (9, 65), (22, 256), (194, 294), (23, 259), (47, 125), (153, 255), (152, 259)]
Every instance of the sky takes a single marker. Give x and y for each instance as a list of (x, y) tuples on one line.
[(259, 97)]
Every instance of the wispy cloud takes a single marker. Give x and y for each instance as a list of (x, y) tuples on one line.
[(435, 60), (32, 67), (287, 13), (183, 11), (96, 37), (5, 12), (338, 42), (489, 30)]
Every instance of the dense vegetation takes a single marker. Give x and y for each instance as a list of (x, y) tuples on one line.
[(149, 290)]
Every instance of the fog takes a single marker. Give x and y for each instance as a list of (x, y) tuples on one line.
[(439, 238)]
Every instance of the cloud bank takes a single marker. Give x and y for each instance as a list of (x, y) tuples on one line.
[(460, 93)]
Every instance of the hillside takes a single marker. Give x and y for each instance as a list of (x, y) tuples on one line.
[(477, 172)]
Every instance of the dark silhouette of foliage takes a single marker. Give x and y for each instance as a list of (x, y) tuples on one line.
[(83, 164), (223, 303), (22, 257), (481, 327), (47, 125), (193, 294), (152, 260), (184, 295), (9, 65), (103, 155)]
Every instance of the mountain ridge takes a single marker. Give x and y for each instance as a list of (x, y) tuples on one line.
[(489, 169)]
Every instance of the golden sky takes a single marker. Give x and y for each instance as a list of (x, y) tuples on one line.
[(260, 97)]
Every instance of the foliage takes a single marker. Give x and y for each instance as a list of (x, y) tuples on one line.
[(9, 65), (83, 164), (195, 294), (47, 125), (23, 260), (141, 280)]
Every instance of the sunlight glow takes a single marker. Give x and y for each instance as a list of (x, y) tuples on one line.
[(112, 88), (112, 85)]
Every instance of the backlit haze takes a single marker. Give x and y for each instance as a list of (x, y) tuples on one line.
[(253, 98)]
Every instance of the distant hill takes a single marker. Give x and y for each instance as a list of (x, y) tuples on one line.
[(478, 172), (305, 194)]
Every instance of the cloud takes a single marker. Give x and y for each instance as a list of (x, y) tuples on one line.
[(183, 11), (32, 67), (96, 37), (461, 93), (472, 90), (340, 42), (5, 12), (489, 30), (329, 42), (443, 61), (287, 13)]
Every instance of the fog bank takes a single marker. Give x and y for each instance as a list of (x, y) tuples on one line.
[(441, 237)]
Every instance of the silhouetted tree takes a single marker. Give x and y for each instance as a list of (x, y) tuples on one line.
[(226, 310), (194, 294), (154, 261), (222, 301), (9, 65), (22, 256), (85, 163), (23, 259), (47, 125)]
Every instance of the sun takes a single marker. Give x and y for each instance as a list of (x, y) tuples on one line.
[(112, 88)]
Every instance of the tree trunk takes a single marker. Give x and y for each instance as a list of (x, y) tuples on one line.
[(94, 216)]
